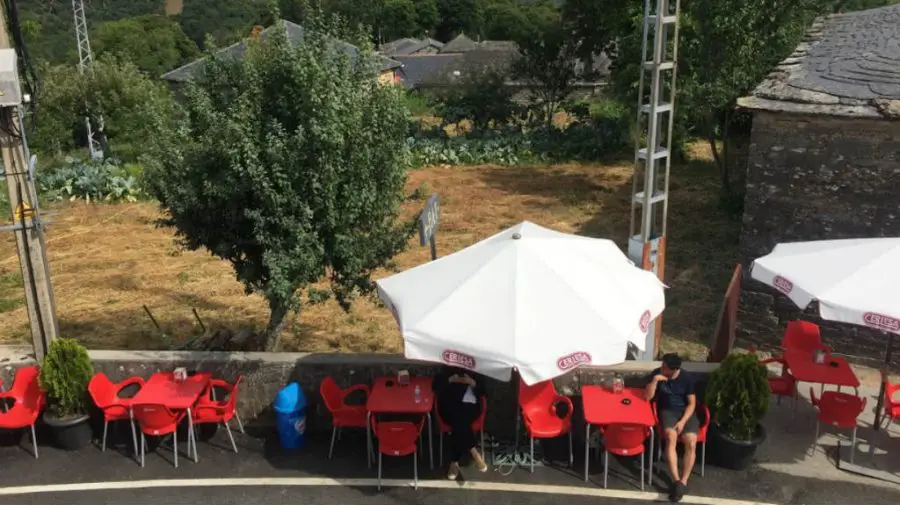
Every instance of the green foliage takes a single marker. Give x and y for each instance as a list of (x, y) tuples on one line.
[(92, 181), (398, 19), (417, 104), (459, 16), (65, 374), (482, 98), (226, 21), (738, 395), (117, 91), (501, 150), (290, 164), (154, 43)]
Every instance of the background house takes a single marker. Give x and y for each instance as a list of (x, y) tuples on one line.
[(824, 159), (387, 68)]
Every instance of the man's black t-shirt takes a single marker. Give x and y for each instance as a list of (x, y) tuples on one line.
[(672, 394)]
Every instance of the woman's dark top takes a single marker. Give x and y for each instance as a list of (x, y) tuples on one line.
[(450, 394)]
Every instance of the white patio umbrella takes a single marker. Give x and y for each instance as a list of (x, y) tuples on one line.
[(529, 298), (854, 281)]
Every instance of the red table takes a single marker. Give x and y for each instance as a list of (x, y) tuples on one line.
[(162, 389), (602, 407), (834, 371), (388, 397)]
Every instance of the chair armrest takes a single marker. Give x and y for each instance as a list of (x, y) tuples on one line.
[(568, 402)]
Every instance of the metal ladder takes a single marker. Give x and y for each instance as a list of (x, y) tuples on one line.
[(653, 144)]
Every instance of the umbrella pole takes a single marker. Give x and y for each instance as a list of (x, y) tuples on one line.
[(884, 371)]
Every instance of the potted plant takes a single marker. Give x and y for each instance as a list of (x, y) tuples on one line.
[(738, 397), (65, 373)]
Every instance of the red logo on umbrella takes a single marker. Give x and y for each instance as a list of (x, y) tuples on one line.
[(881, 321), (782, 284), (457, 358), (645, 321), (573, 360)]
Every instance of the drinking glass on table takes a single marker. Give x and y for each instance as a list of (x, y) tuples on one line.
[(618, 384)]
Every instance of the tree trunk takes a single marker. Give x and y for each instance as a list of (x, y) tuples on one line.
[(273, 331)]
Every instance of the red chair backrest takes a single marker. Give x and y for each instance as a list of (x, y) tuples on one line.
[(889, 390), (332, 394), (153, 417), (231, 403), (102, 390), (624, 437), (802, 336), (840, 409), (538, 397), (25, 377), (396, 435)]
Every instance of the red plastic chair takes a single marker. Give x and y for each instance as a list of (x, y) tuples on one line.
[(342, 415), (398, 438), (801, 336), (105, 394), (211, 411), (840, 410), (29, 401), (702, 434), (444, 428), (539, 412), (624, 440), (784, 384), (157, 420), (891, 406)]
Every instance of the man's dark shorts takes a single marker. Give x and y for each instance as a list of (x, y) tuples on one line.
[(669, 418)]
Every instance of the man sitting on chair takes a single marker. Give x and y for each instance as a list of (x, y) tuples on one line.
[(676, 402)]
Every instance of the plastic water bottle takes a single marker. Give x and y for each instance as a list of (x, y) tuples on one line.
[(418, 394)]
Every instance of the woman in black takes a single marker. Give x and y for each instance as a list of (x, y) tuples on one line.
[(459, 395)]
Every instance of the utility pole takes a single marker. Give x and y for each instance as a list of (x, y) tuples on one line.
[(27, 225), (653, 147), (85, 64)]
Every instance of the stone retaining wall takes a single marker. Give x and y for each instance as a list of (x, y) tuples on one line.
[(815, 178), (265, 373)]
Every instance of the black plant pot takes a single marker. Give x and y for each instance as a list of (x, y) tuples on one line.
[(725, 452), (71, 433)]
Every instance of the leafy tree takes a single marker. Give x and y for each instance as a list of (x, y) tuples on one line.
[(225, 20), (482, 98), (594, 24), (156, 44), (505, 20), (548, 62), (427, 16), (117, 90), (290, 164), (459, 16), (398, 19)]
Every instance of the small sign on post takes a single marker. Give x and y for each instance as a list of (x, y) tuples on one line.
[(428, 223)]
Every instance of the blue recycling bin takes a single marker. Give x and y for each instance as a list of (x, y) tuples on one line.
[(290, 412)]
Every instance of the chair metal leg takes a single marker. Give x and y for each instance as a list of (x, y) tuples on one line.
[(379, 470), (816, 440), (483, 448), (133, 432), (853, 445), (605, 468), (175, 446), (441, 448), (587, 449), (240, 424), (703, 460), (103, 443), (34, 442), (333, 436), (416, 469), (571, 453), (230, 436), (143, 448), (643, 461), (532, 454)]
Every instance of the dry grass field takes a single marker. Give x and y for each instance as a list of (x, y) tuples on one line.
[(108, 261)]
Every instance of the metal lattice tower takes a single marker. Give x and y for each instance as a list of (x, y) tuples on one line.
[(85, 64), (653, 143)]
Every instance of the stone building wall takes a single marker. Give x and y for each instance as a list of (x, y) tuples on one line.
[(815, 178)]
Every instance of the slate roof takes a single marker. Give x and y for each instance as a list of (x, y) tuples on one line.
[(848, 65), (416, 69), (294, 34), (461, 44), (408, 46), (468, 63)]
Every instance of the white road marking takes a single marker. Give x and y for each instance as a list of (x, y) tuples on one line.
[(321, 481)]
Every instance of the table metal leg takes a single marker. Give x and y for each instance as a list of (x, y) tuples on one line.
[(191, 437), (430, 441), (369, 439), (587, 449), (652, 459)]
